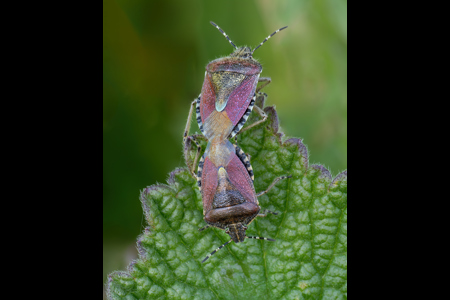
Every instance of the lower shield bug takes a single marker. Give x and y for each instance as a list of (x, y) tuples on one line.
[(225, 178)]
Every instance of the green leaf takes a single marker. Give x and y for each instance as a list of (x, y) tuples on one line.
[(308, 260)]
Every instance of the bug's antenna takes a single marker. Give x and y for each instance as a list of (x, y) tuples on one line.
[(209, 255), (259, 238), (224, 34), (268, 38)]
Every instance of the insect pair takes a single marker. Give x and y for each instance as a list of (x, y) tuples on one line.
[(225, 176)]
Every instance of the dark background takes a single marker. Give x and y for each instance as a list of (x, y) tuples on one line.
[(154, 58)]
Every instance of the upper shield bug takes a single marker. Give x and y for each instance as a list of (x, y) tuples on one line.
[(228, 94)]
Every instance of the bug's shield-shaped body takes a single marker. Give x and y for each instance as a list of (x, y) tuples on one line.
[(228, 195), (227, 91)]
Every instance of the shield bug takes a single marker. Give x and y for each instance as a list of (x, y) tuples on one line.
[(228, 94), (225, 178)]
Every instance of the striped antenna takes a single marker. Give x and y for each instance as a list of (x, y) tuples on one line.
[(268, 38), (209, 255), (224, 34), (259, 238)]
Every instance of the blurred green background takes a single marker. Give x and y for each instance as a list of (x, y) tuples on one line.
[(154, 58)]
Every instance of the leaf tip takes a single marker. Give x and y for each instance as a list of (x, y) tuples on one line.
[(323, 172), (302, 150)]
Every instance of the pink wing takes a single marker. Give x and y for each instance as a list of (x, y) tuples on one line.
[(209, 184), (240, 98), (239, 177)]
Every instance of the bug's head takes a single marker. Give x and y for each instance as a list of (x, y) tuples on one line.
[(236, 232), (242, 52)]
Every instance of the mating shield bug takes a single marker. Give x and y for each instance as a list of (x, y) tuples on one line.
[(229, 198), (225, 176), (228, 94)]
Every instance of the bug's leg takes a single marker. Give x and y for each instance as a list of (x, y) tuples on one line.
[(263, 115), (260, 238), (188, 123), (272, 184), (265, 212), (195, 104), (187, 153), (261, 79), (187, 140), (187, 149), (203, 228)]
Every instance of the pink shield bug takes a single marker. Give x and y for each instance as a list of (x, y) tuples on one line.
[(228, 94), (225, 179)]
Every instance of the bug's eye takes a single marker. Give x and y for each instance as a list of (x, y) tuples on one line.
[(245, 227)]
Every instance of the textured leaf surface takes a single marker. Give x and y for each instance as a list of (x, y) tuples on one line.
[(308, 260)]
